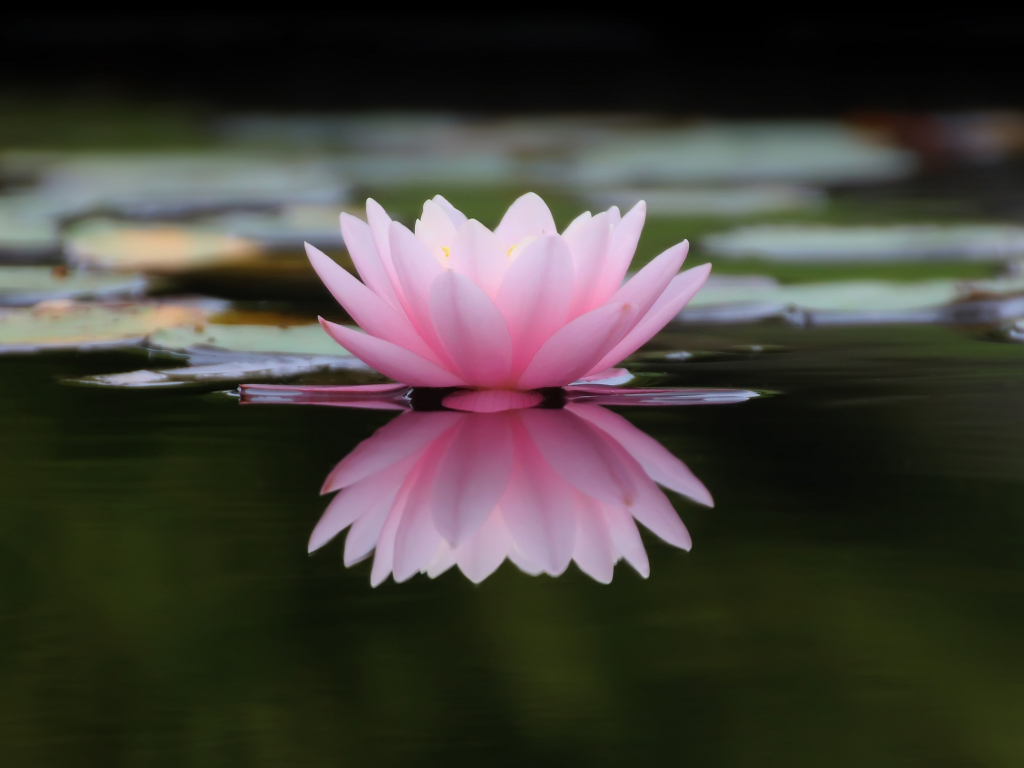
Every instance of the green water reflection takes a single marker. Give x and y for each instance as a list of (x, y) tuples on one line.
[(854, 599)]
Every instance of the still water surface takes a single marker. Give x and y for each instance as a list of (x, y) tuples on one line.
[(854, 597)]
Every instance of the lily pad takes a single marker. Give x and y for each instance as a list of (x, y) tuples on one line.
[(69, 325), (821, 152), (220, 353), (308, 339), (287, 228), (902, 242), (177, 183), (251, 367), (25, 286), (734, 300), (158, 248), (28, 230), (738, 200)]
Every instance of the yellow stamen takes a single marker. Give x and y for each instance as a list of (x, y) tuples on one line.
[(447, 251)]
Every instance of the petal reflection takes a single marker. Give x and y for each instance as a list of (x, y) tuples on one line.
[(541, 487)]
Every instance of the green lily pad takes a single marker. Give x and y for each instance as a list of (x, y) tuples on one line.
[(157, 248), (894, 243), (226, 353), (742, 299), (25, 286), (67, 325), (309, 339), (821, 152), (734, 200)]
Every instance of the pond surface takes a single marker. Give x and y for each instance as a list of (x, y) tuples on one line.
[(854, 597)]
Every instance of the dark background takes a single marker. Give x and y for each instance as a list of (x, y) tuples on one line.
[(629, 58)]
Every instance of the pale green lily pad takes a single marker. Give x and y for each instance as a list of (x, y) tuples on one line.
[(740, 299), (66, 325), (223, 353), (308, 339), (734, 200), (894, 243), (287, 228), (174, 183), (157, 248), (254, 368), (820, 152), (25, 286), (28, 229)]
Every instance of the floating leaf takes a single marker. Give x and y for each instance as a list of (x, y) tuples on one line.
[(739, 200), (28, 229), (230, 370), (817, 152), (308, 339), (177, 183), (25, 286), (235, 352), (733, 300), (901, 242), (65, 324), (160, 248)]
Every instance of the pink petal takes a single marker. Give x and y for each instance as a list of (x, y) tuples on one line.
[(472, 475), (647, 285), (397, 440), (380, 227), (434, 227), (539, 511), (354, 389), (471, 330), (534, 297), (529, 215), (679, 291), (522, 562), (651, 507), (477, 254), (580, 454), (385, 548), (361, 248), (594, 552), (479, 557), (576, 223), (357, 500), (371, 313), (417, 269), (660, 465), (621, 248), (614, 216), (444, 559), (366, 531), (589, 246), (490, 400), (416, 538), (390, 359), (457, 217), (657, 514), (626, 538), (575, 348)]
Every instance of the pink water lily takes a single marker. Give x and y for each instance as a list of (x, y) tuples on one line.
[(540, 487), (454, 304)]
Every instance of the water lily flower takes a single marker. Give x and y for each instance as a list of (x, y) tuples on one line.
[(540, 487), (453, 304)]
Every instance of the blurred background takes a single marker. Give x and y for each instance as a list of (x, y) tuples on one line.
[(856, 179)]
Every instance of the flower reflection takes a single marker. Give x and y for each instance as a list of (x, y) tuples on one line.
[(539, 486)]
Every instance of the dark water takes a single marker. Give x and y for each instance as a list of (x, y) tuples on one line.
[(854, 598)]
